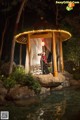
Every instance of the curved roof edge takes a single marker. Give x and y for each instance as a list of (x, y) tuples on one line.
[(64, 35)]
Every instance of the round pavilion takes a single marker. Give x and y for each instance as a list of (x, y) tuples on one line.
[(48, 40)]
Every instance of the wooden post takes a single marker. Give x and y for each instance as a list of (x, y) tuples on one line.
[(27, 62), (61, 57), (54, 57), (20, 61), (58, 56)]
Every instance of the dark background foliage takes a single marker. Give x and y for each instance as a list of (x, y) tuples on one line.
[(35, 11)]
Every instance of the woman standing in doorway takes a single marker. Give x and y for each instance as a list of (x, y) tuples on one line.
[(44, 63)]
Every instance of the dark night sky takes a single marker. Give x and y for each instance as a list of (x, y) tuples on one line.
[(32, 13)]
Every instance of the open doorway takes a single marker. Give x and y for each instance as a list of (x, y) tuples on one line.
[(38, 47)]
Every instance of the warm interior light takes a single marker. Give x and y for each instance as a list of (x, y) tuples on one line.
[(42, 43)]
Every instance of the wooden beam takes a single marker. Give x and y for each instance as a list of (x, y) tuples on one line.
[(27, 62), (54, 57), (58, 56), (40, 35)]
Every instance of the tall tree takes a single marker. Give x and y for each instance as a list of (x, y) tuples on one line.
[(20, 61), (2, 40), (14, 33)]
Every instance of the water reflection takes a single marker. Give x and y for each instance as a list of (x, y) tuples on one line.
[(49, 112), (59, 105)]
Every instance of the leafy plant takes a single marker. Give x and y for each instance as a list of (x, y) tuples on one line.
[(31, 82), (9, 82), (22, 78), (71, 50), (18, 74)]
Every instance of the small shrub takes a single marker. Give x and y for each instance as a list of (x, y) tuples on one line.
[(9, 82), (36, 87), (22, 78), (30, 81), (18, 74)]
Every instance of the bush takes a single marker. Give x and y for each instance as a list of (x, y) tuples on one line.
[(22, 78), (18, 74), (9, 82), (33, 83)]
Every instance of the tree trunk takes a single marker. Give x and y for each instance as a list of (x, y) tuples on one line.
[(14, 33), (57, 15), (2, 40), (20, 59)]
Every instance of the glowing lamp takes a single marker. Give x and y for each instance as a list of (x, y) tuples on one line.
[(42, 43)]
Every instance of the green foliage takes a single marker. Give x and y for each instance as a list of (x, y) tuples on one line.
[(18, 74), (22, 78), (9, 82), (33, 83), (30, 81), (71, 50)]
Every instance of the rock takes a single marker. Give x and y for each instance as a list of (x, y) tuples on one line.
[(60, 87), (67, 75), (61, 77), (74, 82), (3, 91), (79, 82), (27, 102), (1, 84), (2, 100), (65, 83), (49, 80), (20, 92), (5, 68), (44, 90)]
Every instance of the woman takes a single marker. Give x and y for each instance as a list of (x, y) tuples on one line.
[(44, 63)]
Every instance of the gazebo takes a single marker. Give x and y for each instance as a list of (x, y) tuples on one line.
[(52, 39)]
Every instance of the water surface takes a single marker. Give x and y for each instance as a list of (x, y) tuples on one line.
[(58, 105)]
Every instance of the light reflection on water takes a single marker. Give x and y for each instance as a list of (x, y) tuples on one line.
[(59, 105)]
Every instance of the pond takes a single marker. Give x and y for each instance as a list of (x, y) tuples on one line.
[(57, 105)]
